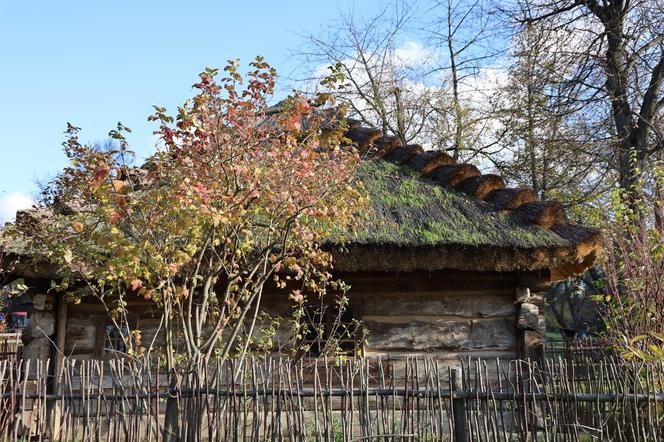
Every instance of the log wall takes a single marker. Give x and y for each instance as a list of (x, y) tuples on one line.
[(451, 315)]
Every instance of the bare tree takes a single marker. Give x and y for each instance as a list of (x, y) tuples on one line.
[(622, 65), (464, 31), (549, 145), (383, 83)]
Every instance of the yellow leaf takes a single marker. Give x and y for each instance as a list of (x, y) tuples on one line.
[(68, 256)]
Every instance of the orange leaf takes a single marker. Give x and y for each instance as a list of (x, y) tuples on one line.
[(118, 185), (136, 284)]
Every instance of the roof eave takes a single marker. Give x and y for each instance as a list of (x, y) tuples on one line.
[(561, 262)]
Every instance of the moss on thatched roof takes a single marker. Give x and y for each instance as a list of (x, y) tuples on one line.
[(429, 213), (408, 210)]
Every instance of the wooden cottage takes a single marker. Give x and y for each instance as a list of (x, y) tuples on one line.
[(449, 265)]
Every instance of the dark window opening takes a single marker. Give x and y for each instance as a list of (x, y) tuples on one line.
[(115, 339)]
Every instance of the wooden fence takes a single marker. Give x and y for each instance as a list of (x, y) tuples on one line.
[(10, 346), (335, 400), (578, 349)]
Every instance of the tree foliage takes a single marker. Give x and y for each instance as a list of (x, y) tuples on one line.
[(633, 294), (619, 68), (239, 196), (548, 143), (380, 86)]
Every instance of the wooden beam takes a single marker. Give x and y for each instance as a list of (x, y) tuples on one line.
[(531, 332), (61, 329)]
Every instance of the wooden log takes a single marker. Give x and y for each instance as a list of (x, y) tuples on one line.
[(533, 345), (479, 305), (60, 339), (468, 282), (538, 299), (480, 186), (402, 154), (428, 161), (509, 199), (441, 333), (543, 213), (528, 316), (453, 174), (458, 406), (522, 295)]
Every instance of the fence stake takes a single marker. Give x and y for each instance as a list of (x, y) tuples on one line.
[(458, 407)]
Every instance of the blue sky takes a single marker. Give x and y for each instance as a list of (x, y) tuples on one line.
[(95, 63)]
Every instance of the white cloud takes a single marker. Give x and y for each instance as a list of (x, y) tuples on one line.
[(412, 53), (10, 203)]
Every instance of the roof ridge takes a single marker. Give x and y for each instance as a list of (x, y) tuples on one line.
[(443, 169), (490, 188)]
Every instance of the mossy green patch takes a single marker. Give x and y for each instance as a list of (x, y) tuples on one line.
[(408, 210)]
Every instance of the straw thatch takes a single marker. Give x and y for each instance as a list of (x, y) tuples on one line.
[(430, 213)]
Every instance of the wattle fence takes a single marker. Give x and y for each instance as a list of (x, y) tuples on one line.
[(367, 399), (10, 346)]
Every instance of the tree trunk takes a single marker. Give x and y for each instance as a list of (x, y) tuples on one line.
[(456, 101), (630, 153), (171, 424)]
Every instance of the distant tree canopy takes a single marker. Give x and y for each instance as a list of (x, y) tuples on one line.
[(562, 96)]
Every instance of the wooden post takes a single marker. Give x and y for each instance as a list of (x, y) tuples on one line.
[(61, 323), (458, 407), (530, 324)]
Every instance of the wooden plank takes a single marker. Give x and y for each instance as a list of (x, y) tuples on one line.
[(81, 333), (428, 282), (443, 333), (480, 305), (419, 281)]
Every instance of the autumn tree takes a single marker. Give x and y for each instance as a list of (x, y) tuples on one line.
[(239, 195)]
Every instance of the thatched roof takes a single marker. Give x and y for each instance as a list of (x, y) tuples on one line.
[(430, 213)]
